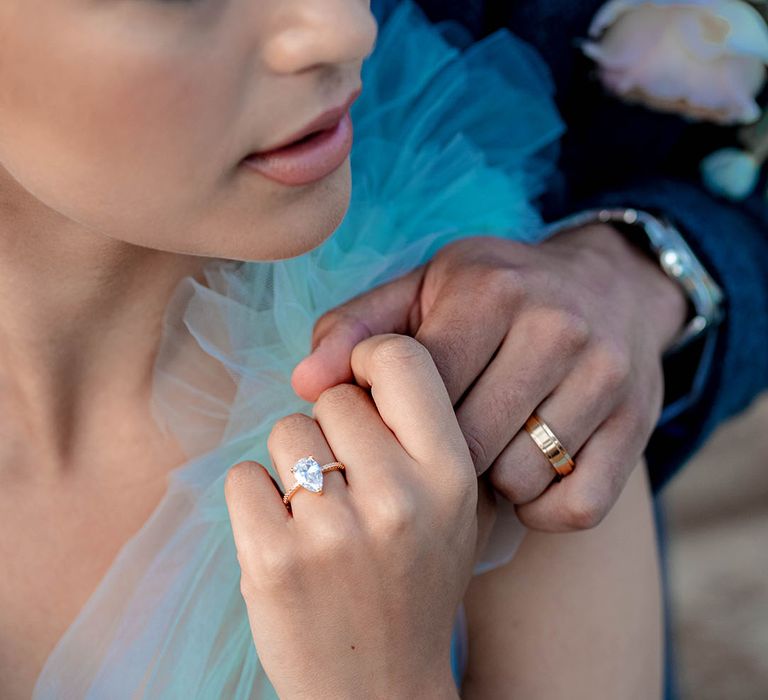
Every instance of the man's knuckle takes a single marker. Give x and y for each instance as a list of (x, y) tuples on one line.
[(568, 329), (579, 330), (584, 511), (556, 332), (504, 285), (613, 366)]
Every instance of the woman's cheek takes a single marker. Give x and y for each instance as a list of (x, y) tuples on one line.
[(141, 141), (108, 139)]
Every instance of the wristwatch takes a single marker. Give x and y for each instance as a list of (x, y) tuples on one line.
[(660, 239)]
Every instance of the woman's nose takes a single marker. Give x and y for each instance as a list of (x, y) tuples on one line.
[(315, 33)]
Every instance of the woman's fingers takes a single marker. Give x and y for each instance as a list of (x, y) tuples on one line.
[(293, 438), (358, 437), (255, 509), (412, 400)]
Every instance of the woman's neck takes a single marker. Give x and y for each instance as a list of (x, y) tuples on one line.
[(80, 324)]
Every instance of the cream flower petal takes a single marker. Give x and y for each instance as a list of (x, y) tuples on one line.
[(609, 13), (704, 59)]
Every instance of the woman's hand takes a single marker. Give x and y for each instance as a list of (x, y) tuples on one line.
[(353, 593)]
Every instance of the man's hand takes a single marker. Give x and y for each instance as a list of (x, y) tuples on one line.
[(573, 329)]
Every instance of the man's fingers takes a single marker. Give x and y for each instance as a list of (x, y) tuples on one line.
[(387, 309), (410, 397), (530, 365), (522, 472), (581, 500), (328, 364), (586, 398), (462, 332)]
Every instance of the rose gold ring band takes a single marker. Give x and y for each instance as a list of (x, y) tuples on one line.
[(552, 448)]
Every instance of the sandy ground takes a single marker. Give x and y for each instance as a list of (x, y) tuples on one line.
[(718, 524)]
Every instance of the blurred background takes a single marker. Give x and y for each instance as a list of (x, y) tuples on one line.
[(717, 511)]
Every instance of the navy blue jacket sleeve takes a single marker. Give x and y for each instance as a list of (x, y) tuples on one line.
[(622, 155), (732, 242)]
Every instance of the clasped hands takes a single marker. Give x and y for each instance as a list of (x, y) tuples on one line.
[(573, 329), (362, 583)]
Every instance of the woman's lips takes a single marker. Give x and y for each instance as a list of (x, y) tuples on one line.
[(309, 159)]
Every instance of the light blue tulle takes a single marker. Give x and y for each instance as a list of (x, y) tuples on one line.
[(449, 144)]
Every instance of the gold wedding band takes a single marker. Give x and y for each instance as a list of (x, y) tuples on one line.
[(552, 448)]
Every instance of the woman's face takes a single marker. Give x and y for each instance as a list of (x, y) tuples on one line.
[(135, 118)]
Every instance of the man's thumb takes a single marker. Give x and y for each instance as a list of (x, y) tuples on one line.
[(390, 308)]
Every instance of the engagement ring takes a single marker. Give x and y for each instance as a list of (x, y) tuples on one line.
[(309, 476)]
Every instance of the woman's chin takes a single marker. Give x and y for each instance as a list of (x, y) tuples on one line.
[(306, 223)]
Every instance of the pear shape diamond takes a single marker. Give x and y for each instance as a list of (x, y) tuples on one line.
[(309, 474)]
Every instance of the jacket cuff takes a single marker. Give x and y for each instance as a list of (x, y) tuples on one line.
[(729, 368)]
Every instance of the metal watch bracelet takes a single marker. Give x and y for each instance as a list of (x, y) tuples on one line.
[(674, 256)]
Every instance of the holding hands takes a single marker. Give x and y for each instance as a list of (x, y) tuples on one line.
[(353, 593), (572, 329)]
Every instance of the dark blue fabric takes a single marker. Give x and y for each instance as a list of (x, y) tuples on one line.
[(615, 153), (734, 246)]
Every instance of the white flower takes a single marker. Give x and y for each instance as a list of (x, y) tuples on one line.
[(731, 173), (705, 59)]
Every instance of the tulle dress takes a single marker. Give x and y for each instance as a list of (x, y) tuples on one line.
[(449, 143)]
